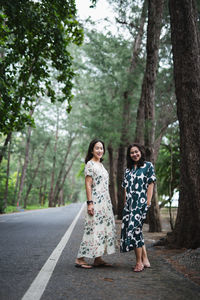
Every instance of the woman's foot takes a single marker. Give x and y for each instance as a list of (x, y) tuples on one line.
[(81, 263), (145, 260), (99, 262), (138, 267), (146, 263)]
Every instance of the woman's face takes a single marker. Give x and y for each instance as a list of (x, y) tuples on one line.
[(135, 154), (98, 151)]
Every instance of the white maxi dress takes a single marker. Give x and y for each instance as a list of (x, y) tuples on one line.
[(99, 236)]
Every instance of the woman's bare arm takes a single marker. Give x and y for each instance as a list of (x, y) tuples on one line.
[(150, 193), (88, 187)]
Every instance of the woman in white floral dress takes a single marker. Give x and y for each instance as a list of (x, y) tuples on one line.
[(99, 236)]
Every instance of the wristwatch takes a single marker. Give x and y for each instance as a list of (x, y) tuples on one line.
[(89, 202)]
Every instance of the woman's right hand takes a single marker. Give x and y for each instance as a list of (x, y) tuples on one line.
[(90, 209)]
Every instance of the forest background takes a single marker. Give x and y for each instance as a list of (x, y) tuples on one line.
[(65, 82)]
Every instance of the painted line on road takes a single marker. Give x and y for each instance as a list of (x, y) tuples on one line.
[(39, 284)]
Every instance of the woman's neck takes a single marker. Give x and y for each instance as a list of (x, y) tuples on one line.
[(95, 160), (134, 166)]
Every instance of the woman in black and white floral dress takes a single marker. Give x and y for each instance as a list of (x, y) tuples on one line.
[(99, 236), (139, 178)]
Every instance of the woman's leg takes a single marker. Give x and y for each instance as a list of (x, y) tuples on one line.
[(145, 259), (139, 265)]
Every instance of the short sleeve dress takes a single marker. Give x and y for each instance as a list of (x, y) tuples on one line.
[(99, 236), (135, 182)]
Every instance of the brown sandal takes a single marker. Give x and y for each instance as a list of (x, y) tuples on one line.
[(102, 263), (83, 266)]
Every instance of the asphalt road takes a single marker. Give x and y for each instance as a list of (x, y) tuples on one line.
[(28, 239)]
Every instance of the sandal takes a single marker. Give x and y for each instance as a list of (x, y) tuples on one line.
[(138, 268), (83, 266), (102, 264)]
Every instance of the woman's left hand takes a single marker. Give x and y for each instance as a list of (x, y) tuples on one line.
[(90, 209)]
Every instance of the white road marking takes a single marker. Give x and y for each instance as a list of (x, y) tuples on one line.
[(39, 284)]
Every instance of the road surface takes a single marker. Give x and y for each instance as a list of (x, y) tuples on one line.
[(37, 253)]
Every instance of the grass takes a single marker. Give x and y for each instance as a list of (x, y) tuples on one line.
[(11, 209)]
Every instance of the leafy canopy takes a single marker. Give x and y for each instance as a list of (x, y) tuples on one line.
[(34, 40)]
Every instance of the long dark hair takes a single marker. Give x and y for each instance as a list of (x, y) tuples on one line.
[(130, 162), (90, 149)]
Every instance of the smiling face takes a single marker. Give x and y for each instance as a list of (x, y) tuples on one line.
[(135, 154), (98, 151)]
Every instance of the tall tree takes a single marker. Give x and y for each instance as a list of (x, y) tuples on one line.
[(35, 172), (62, 172), (35, 36), (7, 177), (186, 56), (26, 162), (51, 193), (112, 185), (146, 122), (124, 140)]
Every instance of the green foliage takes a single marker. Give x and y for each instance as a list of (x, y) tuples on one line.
[(11, 185), (103, 78), (167, 165), (36, 66), (81, 171), (35, 36), (12, 209)]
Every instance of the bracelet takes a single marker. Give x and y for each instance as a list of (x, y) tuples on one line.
[(89, 202)]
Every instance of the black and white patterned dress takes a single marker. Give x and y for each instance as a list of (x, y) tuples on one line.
[(135, 182)]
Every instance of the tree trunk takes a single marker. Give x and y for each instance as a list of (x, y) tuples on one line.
[(122, 155), (140, 119), (155, 10), (17, 181), (42, 185), (44, 192), (26, 160), (145, 128), (126, 114), (35, 173), (31, 184), (65, 176), (3, 150), (24, 168), (186, 56), (120, 176), (7, 177), (154, 213), (112, 180), (60, 198), (51, 193), (62, 170)]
